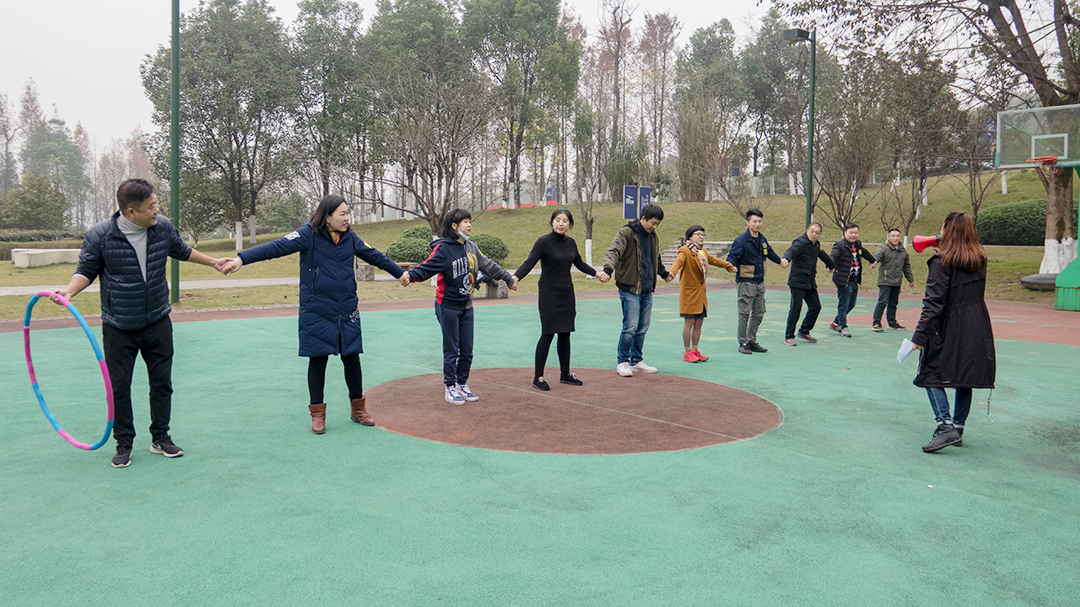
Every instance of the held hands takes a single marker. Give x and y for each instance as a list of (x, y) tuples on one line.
[(513, 282), (220, 263), (228, 266), (602, 276), (405, 279), (783, 262), (670, 277), (873, 265), (732, 270)]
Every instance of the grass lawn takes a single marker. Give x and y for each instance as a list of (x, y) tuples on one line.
[(784, 217)]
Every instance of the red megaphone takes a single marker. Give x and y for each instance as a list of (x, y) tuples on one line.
[(920, 243)]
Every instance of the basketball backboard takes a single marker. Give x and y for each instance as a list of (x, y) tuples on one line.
[(1037, 132)]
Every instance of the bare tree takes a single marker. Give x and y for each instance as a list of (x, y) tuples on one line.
[(658, 50), (615, 34), (980, 34)]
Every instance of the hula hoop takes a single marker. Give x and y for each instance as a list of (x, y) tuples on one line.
[(101, 362)]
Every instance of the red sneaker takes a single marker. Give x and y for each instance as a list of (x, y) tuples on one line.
[(689, 357), (700, 356)]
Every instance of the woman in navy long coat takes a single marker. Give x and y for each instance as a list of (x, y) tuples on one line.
[(329, 318)]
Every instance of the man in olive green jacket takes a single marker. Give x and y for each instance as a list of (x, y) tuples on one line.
[(894, 266), (633, 260)]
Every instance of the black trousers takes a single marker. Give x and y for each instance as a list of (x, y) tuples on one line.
[(155, 343), (562, 347), (813, 308), (316, 377), (888, 298)]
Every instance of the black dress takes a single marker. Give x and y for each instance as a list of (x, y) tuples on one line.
[(557, 252)]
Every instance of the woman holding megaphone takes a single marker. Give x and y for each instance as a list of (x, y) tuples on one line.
[(954, 332)]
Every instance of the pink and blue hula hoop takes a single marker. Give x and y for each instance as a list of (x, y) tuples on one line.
[(101, 362)]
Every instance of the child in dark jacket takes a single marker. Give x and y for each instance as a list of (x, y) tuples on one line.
[(455, 261)]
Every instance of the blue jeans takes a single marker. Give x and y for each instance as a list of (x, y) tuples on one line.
[(457, 343), (845, 297), (940, 403), (636, 315)]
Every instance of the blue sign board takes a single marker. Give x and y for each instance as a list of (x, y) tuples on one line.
[(629, 197), (644, 197)]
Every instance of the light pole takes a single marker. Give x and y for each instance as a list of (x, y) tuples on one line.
[(793, 36)]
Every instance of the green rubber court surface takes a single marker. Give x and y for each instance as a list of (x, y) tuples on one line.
[(836, 505)]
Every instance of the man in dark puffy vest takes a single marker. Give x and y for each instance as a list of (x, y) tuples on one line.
[(129, 253)]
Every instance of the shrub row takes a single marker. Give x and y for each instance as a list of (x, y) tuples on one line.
[(25, 236), (414, 250), (1016, 223)]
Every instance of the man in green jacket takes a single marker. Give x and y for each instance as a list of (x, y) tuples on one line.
[(893, 267), (633, 260)]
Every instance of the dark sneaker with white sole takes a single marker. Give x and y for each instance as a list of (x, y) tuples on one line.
[(122, 459), (166, 447), (945, 436)]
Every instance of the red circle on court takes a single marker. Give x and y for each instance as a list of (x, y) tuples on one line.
[(609, 414)]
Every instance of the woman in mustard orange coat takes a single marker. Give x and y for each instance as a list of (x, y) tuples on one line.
[(692, 266)]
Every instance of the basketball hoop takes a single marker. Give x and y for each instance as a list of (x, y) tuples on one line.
[(1044, 160)]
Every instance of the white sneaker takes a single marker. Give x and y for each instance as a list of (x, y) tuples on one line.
[(624, 370), (466, 393), (641, 366), (453, 396)]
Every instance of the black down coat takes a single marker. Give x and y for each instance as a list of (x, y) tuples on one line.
[(804, 256), (954, 330), (127, 301)]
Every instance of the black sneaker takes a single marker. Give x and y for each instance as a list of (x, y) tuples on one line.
[(944, 436), (166, 447), (960, 442), (570, 379), (877, 328), (898, 327), (541, 384), (756, 347), (807, 337), (122, 459), (745, 349)]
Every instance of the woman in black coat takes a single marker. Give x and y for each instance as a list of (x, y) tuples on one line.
[(954, 332), (556, 252)]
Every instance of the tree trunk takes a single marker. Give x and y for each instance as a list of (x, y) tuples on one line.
[(1060, 247)]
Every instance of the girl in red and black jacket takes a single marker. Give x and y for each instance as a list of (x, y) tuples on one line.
[(455, 260)]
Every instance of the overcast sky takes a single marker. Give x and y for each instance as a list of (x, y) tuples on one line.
[(85, 56)]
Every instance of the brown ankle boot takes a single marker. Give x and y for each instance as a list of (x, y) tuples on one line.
[(359, 412), (318, 418)]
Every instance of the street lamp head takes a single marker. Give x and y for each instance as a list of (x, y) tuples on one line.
[(796, 35)]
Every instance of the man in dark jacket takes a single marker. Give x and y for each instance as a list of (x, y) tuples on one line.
[(848, 275), (128, 252), (802, 281), (633, 259), (748, 254)]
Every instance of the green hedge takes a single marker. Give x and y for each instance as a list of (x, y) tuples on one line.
[(491, 246), (422, 232), (1016, 223), (409, 250), (24, 236), (6, 247)]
